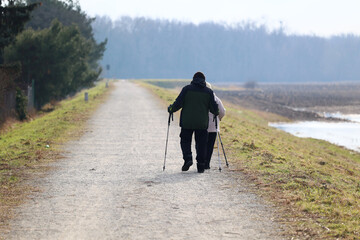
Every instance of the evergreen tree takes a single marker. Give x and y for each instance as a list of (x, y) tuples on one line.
[(56, 58), (68, 12), (13, 17)]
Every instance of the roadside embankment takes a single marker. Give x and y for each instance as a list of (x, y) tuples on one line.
[(27, 148), (315, 184)]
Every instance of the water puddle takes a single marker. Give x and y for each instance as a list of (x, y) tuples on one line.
[(346, 134), (351, 117)]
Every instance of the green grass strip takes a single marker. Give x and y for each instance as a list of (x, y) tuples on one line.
[(27, 147)]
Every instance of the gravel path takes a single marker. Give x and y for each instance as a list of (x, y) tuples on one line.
[(111, 185)]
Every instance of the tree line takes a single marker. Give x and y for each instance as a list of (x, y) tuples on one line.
[(54, 47), (148, 48)]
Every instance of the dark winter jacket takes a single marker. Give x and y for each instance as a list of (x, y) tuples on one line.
[(196, 100)]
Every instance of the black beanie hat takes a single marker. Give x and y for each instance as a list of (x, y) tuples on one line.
[(199, 75)]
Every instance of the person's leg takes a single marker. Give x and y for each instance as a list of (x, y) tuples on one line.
[(185, 143), (209, 148), (201, 141)]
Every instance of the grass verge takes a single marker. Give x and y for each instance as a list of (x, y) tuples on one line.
[(315, 184), (27, 147)]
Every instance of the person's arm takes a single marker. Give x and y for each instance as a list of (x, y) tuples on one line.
[(222, 110), (178, 102), (214, 109)]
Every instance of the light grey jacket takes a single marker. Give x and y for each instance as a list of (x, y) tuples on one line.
[(222, 111)]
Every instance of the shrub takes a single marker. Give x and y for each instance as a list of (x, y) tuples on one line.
[(250, 85), (21, 103)]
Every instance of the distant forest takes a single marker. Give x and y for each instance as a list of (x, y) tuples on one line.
[(146, 48)]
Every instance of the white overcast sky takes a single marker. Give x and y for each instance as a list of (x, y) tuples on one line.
[(319, 17)]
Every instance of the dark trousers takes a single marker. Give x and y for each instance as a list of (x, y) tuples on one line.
[(200, 144), (210, 147)]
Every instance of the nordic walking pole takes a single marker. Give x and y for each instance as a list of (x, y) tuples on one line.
[(217, 142), (227, 164), (171, 116)]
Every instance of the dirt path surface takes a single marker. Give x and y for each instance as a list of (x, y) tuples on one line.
[(111, 185)]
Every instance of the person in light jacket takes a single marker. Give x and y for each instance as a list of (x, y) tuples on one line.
[(212, 131)]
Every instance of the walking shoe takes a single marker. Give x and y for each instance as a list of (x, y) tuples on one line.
[(200, 168), (186, 165), (207, 166)]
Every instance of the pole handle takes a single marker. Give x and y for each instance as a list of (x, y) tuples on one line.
[(171, 117), (216, 122)]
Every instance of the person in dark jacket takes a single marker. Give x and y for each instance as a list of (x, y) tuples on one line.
[(196, 100)]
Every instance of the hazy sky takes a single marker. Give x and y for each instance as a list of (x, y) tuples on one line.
[(320, 17)]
